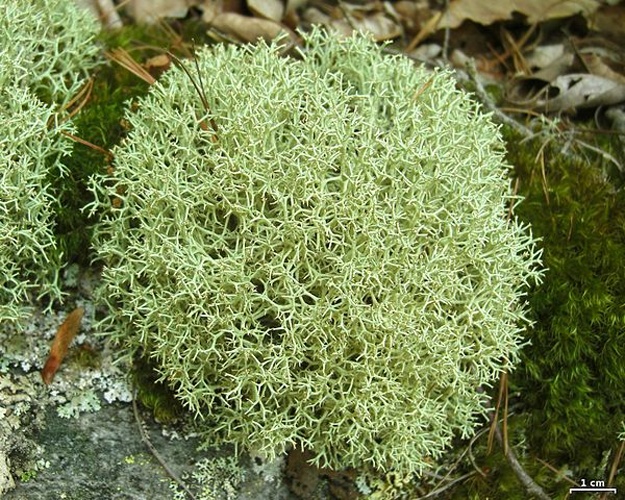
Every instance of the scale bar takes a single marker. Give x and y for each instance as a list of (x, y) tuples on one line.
[(592, 490)]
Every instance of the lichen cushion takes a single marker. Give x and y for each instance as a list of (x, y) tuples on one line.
[(316, 251)]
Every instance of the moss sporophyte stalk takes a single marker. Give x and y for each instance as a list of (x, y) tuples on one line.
[(330, 264)]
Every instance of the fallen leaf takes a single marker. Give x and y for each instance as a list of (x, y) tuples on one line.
[(609, 20), (150, 11), (598, 66), (570, 92), (63, 338), (161, 61), (584, 91), (247, 29), (413, 14), (104, 10), (158, 64), (487, 13), (349, 17), (544, 55), (292, 5), (267, 9)]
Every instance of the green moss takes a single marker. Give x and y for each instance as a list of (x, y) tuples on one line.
[(491, 475), (155, 395), (573, 372), (85, 357), (100, 122)]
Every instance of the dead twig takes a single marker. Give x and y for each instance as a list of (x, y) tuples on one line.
[(487, 102), (502, 438), (79, 100), (528, 483), (146, 439), (503, 395), (84, 142), (447, 35), (199, 88), (559, 473), (77, 103), (618, 456)]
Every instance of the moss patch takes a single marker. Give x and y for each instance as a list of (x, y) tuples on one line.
[(573, 373)]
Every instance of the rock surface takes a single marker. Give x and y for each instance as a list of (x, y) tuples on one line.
[(78, 438), (101, 455)]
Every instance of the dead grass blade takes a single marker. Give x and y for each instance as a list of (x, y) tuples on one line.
[(125, 60)]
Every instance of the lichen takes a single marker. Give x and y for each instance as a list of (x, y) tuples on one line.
[(48, 46), (316, 252), (47, 49), (214, 478), (29, 150)]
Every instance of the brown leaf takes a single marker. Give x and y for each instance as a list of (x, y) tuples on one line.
[(64, 336), (161, 61), (104, 10), (247, 29), (268, 9), (610, 22), (150, 11), (348, 17), (579, 91), (566, 93), (487, 13)]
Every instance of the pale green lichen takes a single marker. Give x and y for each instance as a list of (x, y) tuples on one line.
[(320, 254), (82, 401), (29, 150), (46, 49), (214, 478), (47, 46)]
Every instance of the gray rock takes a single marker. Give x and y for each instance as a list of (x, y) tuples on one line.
[(101, 455)]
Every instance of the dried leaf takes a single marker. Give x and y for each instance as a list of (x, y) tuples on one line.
[(268, 9), (247, 29), (610, 22), (600, 66), (347, 18), (378, 25), (487, 13), (562, 65), (158, 64), (584, 91), (104, 10), (569, 92), (150, 11), (544, 55), (413, 14), (161, 61), (63, 338), (292, 5)]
